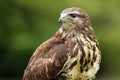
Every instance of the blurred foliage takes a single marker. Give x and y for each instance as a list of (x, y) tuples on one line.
[(25, 24)]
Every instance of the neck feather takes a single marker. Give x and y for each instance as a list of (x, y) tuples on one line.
[(87, 31)]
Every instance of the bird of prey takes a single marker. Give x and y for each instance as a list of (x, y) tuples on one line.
[(71, 54)]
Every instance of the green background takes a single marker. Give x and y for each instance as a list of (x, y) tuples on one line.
[(25, 24)]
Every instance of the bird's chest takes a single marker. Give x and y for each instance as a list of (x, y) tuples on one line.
[(81, 59)]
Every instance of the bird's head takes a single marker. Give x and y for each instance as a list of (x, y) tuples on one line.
[(72, 17)]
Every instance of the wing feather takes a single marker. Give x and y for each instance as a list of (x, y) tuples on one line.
[(47, 60)]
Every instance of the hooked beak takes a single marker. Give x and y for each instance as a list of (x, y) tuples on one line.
[(64, 20), (60, 20)]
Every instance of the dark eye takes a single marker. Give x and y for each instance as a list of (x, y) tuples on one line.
[(73, 15)]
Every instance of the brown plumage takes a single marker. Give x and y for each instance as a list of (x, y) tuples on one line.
[(71, 54)]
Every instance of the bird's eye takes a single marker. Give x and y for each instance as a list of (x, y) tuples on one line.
[(73, 15)]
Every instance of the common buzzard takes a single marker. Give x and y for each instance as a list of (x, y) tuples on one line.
[(71, 54)]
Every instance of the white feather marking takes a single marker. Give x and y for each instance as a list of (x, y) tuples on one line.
[(63, 14), (61, 30), (75, 48), (50, 60)]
